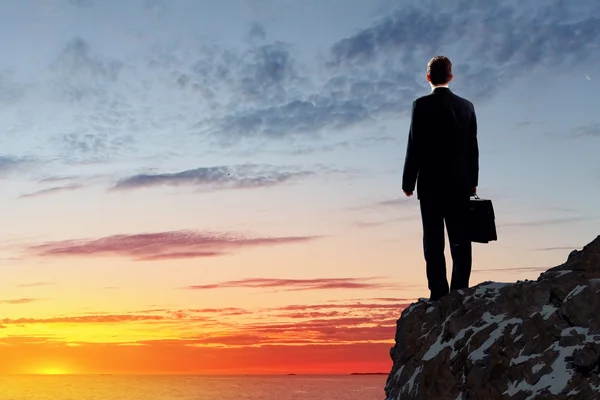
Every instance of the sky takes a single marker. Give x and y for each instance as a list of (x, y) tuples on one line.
[(192, 186)]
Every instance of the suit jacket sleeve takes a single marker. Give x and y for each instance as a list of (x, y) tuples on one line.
[(411, 162), (473, 154)]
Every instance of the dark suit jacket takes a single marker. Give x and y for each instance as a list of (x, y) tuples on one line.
[(442, 155)]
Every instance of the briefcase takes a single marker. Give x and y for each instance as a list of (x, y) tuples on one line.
[(481, 220)]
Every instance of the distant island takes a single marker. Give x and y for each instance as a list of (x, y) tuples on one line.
[(368, 373)]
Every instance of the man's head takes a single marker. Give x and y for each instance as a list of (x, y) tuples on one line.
[(439, 70)]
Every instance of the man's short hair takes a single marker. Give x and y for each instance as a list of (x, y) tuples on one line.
[(439, 69)]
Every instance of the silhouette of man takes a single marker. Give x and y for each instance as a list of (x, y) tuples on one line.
[(442, 160)]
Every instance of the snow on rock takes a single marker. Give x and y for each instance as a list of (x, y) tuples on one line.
[(524, 340)]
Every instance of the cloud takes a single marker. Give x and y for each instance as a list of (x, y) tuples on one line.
[(10, 91), (336, 330), (36, 284), (326, 328), (374, 224), (54, 179), (393, 202), (299, 337), (383, 299), (102, 119), (10, 164), (555, 248), (83, 3), (168, 95), (225, 311), (93, 147), (360, 143), (78, 65), (181, 255), (490, 55), (305, 116), (257, 32), (181, 356), (591, 130), (523, 124), (51, 190), (516, 269), (231, 177), (391, 205), (379, 70), (85, 319), (297, 284), (547, 222), (354, 306), (21, 301), (161, 245)]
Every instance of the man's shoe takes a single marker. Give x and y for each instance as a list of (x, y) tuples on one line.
[(433, 299)]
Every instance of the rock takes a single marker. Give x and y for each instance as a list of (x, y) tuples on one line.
[(525, 340)]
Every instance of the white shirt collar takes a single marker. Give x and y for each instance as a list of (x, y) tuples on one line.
[(437, 86)]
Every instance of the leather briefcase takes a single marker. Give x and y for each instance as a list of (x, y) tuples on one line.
[(481, 220)]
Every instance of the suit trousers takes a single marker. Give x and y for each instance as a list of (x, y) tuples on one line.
[(453, 210)]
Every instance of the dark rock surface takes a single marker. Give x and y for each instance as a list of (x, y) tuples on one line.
[(525, 340)]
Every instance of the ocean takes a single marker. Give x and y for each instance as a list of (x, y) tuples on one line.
[(189, 387)]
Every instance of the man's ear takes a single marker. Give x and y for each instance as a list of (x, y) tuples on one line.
[(451, 76), (428, 77)]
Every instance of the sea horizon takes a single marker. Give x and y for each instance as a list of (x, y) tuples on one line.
[(207, 375), (191, 387)]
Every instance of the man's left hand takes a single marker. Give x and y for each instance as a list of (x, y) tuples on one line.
[(408, 194)]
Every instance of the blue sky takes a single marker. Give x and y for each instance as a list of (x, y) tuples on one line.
[(289, 119)]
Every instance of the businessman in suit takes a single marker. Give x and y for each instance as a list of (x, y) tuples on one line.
[(442, 161)]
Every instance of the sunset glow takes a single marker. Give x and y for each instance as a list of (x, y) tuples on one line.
[(52, 371)]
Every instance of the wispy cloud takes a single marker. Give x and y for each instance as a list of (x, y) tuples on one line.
[(517, 269), (555, 248), (10, 164), (161, 245), (344, 305), (233, 177), (36, 284), (54, 179), (547, 222), (381, 299), (349, 144), (51, 190), (591, 130), (85, 319), (390, 204), (298, 284), (21, 301), (225, 311), (374, 224), (399, 201)]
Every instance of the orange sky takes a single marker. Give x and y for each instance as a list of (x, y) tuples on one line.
[(328, 338), (81, 306)]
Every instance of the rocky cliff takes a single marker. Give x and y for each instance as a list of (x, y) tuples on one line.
[(525, 340)]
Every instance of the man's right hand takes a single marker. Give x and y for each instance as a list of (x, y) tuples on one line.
[(474, 191)]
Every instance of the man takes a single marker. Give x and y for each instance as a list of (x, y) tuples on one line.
[(443, 154)]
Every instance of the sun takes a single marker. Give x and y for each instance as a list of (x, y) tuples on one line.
[(53, 371)]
